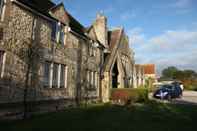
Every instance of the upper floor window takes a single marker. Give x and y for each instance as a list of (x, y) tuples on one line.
[(1, 61), (57, 33), (92, 51), (2, 3), (54, 31), (61, 34)]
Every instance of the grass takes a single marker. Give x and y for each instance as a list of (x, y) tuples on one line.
[(151, 116)]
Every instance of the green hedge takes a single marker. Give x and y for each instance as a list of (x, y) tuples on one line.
[(191, 87), (129, 95)]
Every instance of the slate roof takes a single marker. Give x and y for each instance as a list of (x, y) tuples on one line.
[(41, 6)]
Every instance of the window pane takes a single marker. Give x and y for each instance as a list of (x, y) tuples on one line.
[(62, 77), (46, 74), (1, 6), (54, 30), (1, 60), (55, 76), (62, 36)]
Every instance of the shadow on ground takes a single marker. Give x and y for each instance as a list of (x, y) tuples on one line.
[(139, 117)]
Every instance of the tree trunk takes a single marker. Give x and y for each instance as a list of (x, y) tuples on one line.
[(25, 112)]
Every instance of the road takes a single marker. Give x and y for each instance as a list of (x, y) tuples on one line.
[(189, 97)]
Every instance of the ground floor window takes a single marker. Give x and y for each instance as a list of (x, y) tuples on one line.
[(1, 61), (55, 75), (47, 74), (92, 79)]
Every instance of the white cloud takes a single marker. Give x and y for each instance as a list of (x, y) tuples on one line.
[(108, 10), (136, 36), (171, 48), (182, 3), (128, 15)]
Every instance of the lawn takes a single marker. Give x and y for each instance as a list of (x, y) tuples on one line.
[(151, 116)]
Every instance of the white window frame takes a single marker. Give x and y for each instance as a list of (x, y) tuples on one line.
[(3, 10), (58, 75), (60, 29), (66, 77), (3, 65)]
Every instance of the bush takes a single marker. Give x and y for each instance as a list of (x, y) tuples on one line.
[(129, 95), (191, 87)]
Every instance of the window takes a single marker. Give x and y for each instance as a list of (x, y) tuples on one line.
[(1, 61), (63, 76), (54, 31), (1, 33), (90, 51), (47, 74), (2, 3), (62, 34), (57, 33), (55, 75), (94, 52)]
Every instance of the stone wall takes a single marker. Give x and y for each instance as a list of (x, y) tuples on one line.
[(25, 28), (18, 35)]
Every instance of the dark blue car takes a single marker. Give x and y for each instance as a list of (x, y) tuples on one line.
[(168, 92)]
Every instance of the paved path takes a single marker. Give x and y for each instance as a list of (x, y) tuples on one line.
[(189, 97)]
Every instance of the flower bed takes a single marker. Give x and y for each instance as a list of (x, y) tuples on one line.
[(129, 95)]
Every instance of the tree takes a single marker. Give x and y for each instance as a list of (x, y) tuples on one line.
[(169, 73), (28, 52)]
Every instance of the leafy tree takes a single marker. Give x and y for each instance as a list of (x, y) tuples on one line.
[(169, 72)]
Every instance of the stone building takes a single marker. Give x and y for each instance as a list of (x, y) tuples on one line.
[(139, 77), (44, 45), (48, 53), (150, 74), (118, 63), (150, 71)]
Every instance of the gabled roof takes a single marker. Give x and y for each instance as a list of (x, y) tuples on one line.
[(75, 25), (91, 33), (114, 37)]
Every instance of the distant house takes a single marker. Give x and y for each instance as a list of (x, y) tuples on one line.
[(149, 71), (139, 77)]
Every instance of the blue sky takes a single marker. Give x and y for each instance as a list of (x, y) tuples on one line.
[(163, 32)]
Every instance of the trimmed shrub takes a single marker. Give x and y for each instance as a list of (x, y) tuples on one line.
[(129, 95)]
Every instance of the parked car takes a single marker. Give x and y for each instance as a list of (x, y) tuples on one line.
[(168, 92)]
